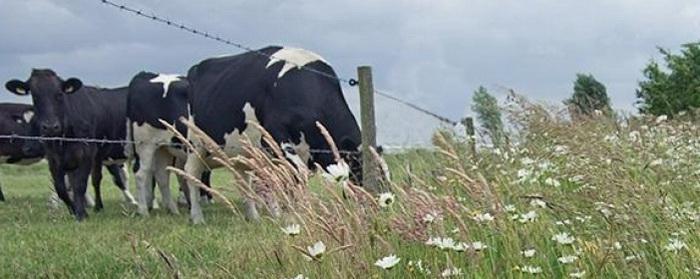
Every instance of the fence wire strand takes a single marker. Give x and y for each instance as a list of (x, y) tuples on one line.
[(218, 38)]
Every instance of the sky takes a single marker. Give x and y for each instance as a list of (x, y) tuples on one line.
[(433, 53)]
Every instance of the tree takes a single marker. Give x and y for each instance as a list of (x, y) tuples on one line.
[(589, 95), (674, 87), (489, 114)]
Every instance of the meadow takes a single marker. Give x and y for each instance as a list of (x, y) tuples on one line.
[(600, 198)]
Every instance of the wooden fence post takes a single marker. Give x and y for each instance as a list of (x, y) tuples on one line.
[(468, 123), (370, 178)]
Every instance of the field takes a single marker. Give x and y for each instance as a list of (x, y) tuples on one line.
[(601, 198)]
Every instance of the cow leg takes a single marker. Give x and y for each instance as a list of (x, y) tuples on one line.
[(184, 190), (194, 167), (250, 206), (2, 196), (162, 160), (59, 184), (144, 177), (78, 180), (96, 180), (121, 180), (205, 196)]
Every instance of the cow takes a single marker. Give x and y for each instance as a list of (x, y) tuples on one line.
[(268, 86), (18, 120), (15, 119), (154, 97), (66, 108)]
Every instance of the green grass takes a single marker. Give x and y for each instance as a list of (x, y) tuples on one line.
[(621, 204)]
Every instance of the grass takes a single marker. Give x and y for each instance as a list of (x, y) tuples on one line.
[(623, 192)]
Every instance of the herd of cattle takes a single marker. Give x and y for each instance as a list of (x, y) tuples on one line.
[(271, 86)]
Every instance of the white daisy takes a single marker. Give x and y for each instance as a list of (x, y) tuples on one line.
[(317, 249), (675, 245), (338, 172), (387, 262), (528, 253), (483, 218), (567, 259), (563, 238), (530, 269), (577, 274), (386, 199), (478, 246), (449, 272), (531, 216), (538, 203), (293, 229)]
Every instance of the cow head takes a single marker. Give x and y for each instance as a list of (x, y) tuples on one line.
[(48, 93), (353, 156), (17, 122)]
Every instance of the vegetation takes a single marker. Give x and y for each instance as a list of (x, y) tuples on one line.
[(595, 199), (489, 115), (673, 87), (589, 96)]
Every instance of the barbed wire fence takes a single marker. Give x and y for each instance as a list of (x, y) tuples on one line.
[(211, 36)]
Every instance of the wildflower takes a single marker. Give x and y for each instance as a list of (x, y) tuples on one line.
[(478, 246), (561, 223), (567, 259), (300, 276), (317, 249), (510, 208), (552, 182), (440, 242), (530, 269), (529, 253), (675, 245), (538, 203), (563, 238), (337, 173), (527, 161), (460, 247), (430, 217), (656, 162), (617, 245), (386, 199), (387, 262), (293, 229), (577, 274), (661, 118), (486, 217), (531, 216), (449, 272)]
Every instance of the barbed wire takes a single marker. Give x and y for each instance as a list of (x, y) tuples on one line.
[(181, 145), (218, 38)]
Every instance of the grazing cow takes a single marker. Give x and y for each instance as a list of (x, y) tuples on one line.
[(15, 119), (66, 108), (287, 101), (154, 97)]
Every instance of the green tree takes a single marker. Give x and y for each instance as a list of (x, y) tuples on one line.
[(589, 95), (489, 114), (673, 87)]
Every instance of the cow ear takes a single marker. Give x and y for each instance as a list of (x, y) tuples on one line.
[(17, 87), (71, 85)]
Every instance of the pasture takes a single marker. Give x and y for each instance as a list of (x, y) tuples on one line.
[(595, 199)]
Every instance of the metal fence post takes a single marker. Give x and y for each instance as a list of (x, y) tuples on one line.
[(369, 132)]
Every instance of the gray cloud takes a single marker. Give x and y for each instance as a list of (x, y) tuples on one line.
[(434, 53)]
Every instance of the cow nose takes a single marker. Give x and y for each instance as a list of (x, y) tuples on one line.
[(50, 128)]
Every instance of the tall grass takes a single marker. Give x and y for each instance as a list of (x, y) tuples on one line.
[(598, 198)]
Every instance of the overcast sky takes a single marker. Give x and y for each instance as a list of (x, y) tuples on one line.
[(434, 53)]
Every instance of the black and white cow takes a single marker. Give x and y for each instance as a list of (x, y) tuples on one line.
[(66, 108), (154, 97), (228, 91), (15, 119)]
